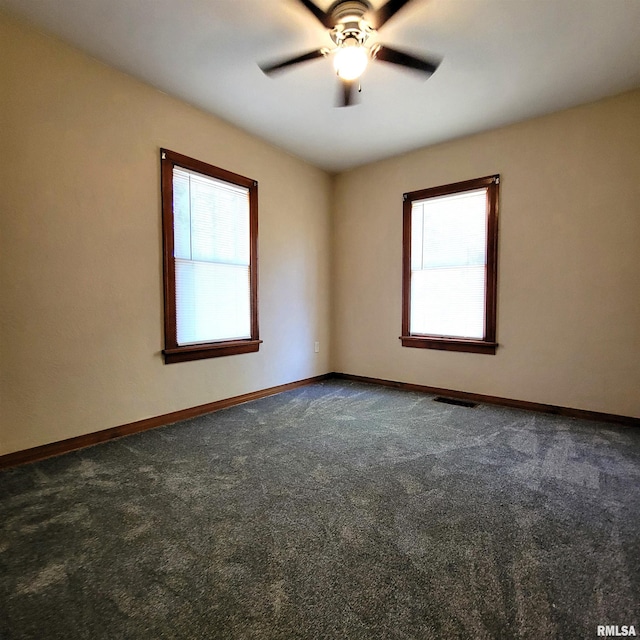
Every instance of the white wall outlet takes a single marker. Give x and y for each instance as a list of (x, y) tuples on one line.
[(316, 347)]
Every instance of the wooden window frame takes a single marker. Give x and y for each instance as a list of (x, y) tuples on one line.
[(173, 352), (488, 344)]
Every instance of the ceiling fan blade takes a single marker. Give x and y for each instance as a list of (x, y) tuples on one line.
[(277, 66), (386, 12), (347, 93), (323, 16), (386, 54)]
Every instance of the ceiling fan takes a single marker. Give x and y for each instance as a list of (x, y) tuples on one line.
[(351, 23)]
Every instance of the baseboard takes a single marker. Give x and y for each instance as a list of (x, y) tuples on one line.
[(90, 439), (80, 442), (505, 402)]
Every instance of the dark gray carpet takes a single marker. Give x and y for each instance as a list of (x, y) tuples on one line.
[(338, 510)]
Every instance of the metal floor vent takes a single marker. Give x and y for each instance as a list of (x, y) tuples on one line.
[(458, 403)]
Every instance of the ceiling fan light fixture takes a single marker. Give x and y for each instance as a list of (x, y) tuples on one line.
[(350, 24), (350, 60)]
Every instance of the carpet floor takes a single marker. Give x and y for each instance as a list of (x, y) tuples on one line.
[(334, 511)]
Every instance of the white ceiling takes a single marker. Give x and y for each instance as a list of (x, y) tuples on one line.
[(503, 61)]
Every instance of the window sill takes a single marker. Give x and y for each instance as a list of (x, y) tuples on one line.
[(210, 350), (450, 344)]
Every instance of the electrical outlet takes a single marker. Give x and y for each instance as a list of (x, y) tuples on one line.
[(317, 347)]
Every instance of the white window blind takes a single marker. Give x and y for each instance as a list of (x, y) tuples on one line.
[(211, 233), (448, 265)]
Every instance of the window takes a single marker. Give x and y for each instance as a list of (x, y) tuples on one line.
[(449, 274), (210, 237)]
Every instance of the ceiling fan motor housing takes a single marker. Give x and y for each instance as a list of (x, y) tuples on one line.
[(348, 17), (343, 9)]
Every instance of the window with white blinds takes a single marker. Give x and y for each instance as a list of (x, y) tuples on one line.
[(210, 278), (211, 250), (448, 265), (450, 246)]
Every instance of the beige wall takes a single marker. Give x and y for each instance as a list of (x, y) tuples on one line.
[(80, 246), (81, 265), (569, 261)]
